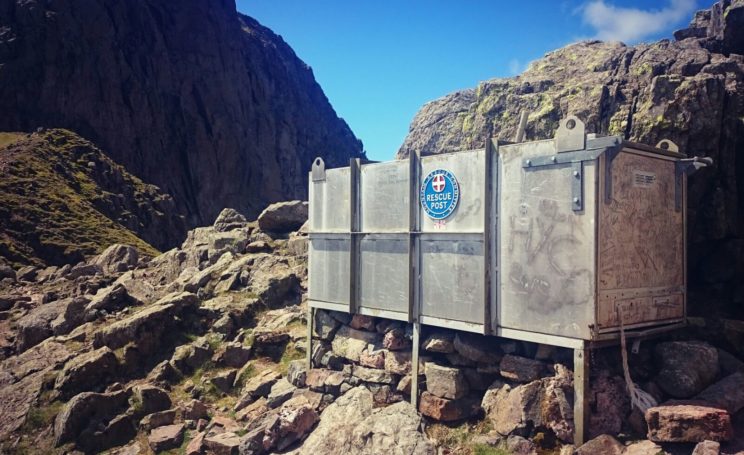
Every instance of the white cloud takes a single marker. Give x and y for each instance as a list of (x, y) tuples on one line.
[(629, 25)]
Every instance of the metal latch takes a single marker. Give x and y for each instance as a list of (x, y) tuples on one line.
[(687, 166), (318, 170)]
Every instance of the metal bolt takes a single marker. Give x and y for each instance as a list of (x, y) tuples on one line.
[(553, 158), (576, 200), (528, 163), (576, 173)]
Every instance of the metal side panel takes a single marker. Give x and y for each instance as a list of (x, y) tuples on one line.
[(385, 197), (330, 202), (547, 248), (641, 237), (383, 272), (328, 268), (468, 170), (452, 284)]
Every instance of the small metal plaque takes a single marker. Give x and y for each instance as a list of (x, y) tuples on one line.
[(643, 179)]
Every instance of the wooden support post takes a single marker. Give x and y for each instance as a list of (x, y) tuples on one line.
[(581, 389), (310, 322), (415, 364)]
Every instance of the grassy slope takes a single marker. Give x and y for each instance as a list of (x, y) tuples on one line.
[(48, 191)]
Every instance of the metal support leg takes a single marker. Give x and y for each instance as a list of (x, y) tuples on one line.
[(581, 389), (415, 364), (310, 322)]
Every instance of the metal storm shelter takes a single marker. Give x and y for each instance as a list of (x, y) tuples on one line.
[(555, 241)]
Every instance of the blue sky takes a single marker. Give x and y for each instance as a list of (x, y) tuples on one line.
[(380, 61)]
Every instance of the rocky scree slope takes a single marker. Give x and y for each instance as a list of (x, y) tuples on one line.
[(201, 350), (191, 96), (689, 90), (62, 200)]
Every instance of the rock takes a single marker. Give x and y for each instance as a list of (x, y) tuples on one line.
[(223, 381), (728, 393), (445, 410), (192, 356), (729, 363), (253, 411), (297, 373), (521, 369), (86, 372), (158, 419), (196, 445), (164, 372), (147, 399), (35, 327), (688, 423), (232, 354), (517, 445), (396, 340), (155, 319), (399, 362), (228, 220), (476, 348), (7, 271), (352, 425), (707, 448), (292, 423), (280, 392), (543, 402), (117, 259), (362, 322), (609, 393), (440, 342), (324, 326), (374, 358), (194, 410), (685, 367), (258, 246), (82, 416), (283, 217), (257, 386), (644, 448), (603, 444), (350, 343), (373, 375), (316, 378), (222, 444), (83, 269), (110, 299), (445, 382), (166, 437)]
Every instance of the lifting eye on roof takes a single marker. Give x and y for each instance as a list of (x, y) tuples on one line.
[(669, 146), (318, 170), (570, 135)]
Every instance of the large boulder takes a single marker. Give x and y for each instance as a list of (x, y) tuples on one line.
[(541, 403), (36, 326), (152, 321), (109, 300), (352, 424), (685, 367), (117, 259), (350, 343), (283, 217), (87, 372), (90, 420), (728, 393)]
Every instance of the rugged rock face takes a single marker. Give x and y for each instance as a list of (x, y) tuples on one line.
[(62, 200), (690, 90), (204, 102)]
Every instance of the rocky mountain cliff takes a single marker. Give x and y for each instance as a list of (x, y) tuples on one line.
[(191, 96), (62, 200), (689, 90)]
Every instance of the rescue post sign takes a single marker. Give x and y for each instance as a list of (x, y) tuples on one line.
[(439, 194)]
